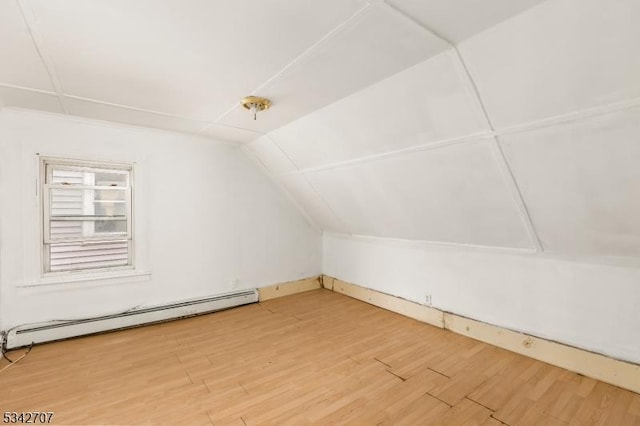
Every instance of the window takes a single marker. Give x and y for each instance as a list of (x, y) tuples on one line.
[(86, 215)]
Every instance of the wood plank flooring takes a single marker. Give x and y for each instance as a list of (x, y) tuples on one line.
[(312, 358)]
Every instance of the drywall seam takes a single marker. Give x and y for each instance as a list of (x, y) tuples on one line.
[(443, 143), (304, 176), (28, 89), (619, 373), (255, 159), (516, 194), (501, 160), (301, 57), (38, 43), (289, 288)]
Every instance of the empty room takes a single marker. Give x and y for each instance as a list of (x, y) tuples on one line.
[(286, 212)]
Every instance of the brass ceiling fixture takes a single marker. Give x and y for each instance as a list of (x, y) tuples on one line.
[(255, 104)]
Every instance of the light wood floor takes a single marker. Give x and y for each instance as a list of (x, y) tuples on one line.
[(316, 357)]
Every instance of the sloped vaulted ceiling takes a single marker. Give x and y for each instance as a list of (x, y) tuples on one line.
[(497, 123)]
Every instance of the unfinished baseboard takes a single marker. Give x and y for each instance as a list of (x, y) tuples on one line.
[(392, 303), (289, 288), (619, 373)]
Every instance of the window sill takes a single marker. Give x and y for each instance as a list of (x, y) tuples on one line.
[(106, 278)]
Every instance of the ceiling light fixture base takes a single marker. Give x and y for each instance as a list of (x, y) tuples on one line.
[(255, 104)]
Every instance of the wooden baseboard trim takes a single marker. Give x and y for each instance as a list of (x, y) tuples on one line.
[(391, 303), (619, 373), (289, 288)]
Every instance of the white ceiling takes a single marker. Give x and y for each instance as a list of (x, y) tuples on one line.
[(496, 123), (523, 137), (185, 64)]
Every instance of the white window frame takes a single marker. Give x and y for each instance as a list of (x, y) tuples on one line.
[(45, 211)]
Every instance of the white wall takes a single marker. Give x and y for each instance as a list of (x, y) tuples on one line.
[(205, 216), (589, 305)]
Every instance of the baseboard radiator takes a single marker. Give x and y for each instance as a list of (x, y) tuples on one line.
[(38, 333)]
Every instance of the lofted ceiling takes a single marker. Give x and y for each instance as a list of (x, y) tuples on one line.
[(185, 64), (509, 124)]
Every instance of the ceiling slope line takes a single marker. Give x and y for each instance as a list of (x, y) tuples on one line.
[(313, 188), (31, 22), (443, 143), (586, 114), (501, 160), (405, 242), (255, 159), (353, 19), (28, 89), (150, 111), (583, 114)]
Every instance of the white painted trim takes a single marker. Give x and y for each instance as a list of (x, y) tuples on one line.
[(616, 372), (123, 275)]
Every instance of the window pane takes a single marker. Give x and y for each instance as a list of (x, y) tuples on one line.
[(88, 255), (87, 229), (110, 208), (94, 177), (88, 202)]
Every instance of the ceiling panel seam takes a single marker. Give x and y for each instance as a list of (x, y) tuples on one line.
[(254, 158), (315, 190), (617, 261), (501, 159), (31, 22), (352, 20), (404, 242), (28, 89), (580, 115), (150, 111), (397, 153), (586, 114), (132, 108), (415, 23)]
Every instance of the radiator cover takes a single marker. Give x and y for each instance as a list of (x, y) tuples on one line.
[(25, 335)]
